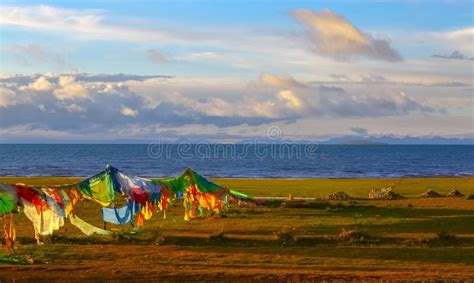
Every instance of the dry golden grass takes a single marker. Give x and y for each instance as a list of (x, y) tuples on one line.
[(296, 241)]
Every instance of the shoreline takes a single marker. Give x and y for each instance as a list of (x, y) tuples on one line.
[(256, 178)]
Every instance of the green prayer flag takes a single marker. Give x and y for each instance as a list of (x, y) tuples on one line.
[(99, 188)]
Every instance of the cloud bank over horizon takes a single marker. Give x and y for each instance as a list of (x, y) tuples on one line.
[(75, 104)]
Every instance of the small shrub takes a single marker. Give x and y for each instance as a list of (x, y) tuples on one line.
[(219, 236), (273, 203), (444, 238), (384, 193), (353, 235), (430, 194), (455, 193), (285, 236), (123, 237)]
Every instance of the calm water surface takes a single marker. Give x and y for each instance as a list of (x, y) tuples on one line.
[(301, 161)]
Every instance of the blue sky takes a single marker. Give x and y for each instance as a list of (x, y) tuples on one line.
[(431, 15), (251, 16), (237, 68)]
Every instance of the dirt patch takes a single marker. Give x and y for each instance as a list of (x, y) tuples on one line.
[(132, 263)]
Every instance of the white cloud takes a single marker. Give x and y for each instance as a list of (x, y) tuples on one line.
[(158, 105), (365, 90), (30, 54), (156, 56), (256, 48), (27, 131), (115, 78), (271, 80), (462, 39), (455, 55), (290, 99), (237, 56), (237, 47), (75, 108), (41, 84), (70, 89), (374, 78), (129, 112), (7, 96), (87, 24), (359, 131), (334, 36)]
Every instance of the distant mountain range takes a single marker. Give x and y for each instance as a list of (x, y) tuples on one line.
[(374, 140), (351, 139), (342, 140), (363, 142)]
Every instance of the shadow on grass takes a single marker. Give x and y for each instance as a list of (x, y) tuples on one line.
[(371, 210), (220, 239), (455, 255), (455, 224)]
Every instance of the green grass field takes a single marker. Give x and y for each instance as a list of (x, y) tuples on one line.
[(284, 240), (318, 188)]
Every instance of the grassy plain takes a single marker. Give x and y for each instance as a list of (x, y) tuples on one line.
[(411, 238)]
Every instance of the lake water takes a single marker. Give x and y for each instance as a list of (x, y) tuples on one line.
[(242, 160)]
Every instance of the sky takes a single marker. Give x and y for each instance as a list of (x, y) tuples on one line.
[(230, 70)]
